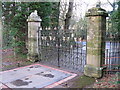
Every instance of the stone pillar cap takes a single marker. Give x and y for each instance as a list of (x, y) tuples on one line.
[(34, 17), (96, 11)]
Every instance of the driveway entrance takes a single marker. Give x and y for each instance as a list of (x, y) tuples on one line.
[(34, 76)]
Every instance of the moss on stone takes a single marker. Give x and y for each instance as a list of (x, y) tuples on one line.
[(96, 12), (83, 81), (92, 71)]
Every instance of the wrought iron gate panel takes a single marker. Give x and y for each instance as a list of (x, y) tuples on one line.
[(62, 48)]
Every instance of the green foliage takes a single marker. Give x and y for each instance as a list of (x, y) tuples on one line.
[(81, 28), (117, 75), (44, 11), (118, 17), (114, 22), (15, 25), (55, 15)]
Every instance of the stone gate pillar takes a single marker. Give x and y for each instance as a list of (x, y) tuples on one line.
[(95, 41), (33, 25)]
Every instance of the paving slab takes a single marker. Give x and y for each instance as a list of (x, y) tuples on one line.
[(34, 76)]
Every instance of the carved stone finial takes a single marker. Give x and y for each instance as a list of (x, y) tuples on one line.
[(33, 14), (98, 4), (34, 17)]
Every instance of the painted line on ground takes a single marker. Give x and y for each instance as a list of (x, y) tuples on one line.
[(61, 81), (53, 84)]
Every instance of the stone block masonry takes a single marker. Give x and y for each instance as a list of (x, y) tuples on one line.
[(95, 41), (34, 22)]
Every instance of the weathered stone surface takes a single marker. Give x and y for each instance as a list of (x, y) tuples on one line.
[(92, 71), (95, 41), (33, 26), (96, 11), (34, 17)]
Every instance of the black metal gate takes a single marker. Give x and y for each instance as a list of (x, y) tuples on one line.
[(62, 48), (112, 55)]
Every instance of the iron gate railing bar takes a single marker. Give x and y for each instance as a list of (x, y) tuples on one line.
[(58, 49), (112, 55), (39, 43), (70, 60)]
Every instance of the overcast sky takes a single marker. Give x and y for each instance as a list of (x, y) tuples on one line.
[(84, 5), (104, 3)]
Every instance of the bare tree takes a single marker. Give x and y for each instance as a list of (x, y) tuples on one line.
[(63, 11), (68, 15), (113, 5)]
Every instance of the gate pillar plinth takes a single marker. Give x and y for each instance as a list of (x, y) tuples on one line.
[(95, 41), (32, 45)]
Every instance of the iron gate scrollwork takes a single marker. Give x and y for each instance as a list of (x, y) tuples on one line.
[(62, 48)]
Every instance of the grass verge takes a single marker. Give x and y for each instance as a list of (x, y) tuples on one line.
[(83, 81)]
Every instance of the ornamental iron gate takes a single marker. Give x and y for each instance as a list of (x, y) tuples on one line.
[(112, 55), (62, 48)]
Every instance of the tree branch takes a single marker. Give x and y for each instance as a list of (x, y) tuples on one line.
[(110, 3)]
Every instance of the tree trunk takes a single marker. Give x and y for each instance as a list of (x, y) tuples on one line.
[(68, 15)]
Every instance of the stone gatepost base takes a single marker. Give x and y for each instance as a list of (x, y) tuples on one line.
[(32, 57), (93, 71)]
